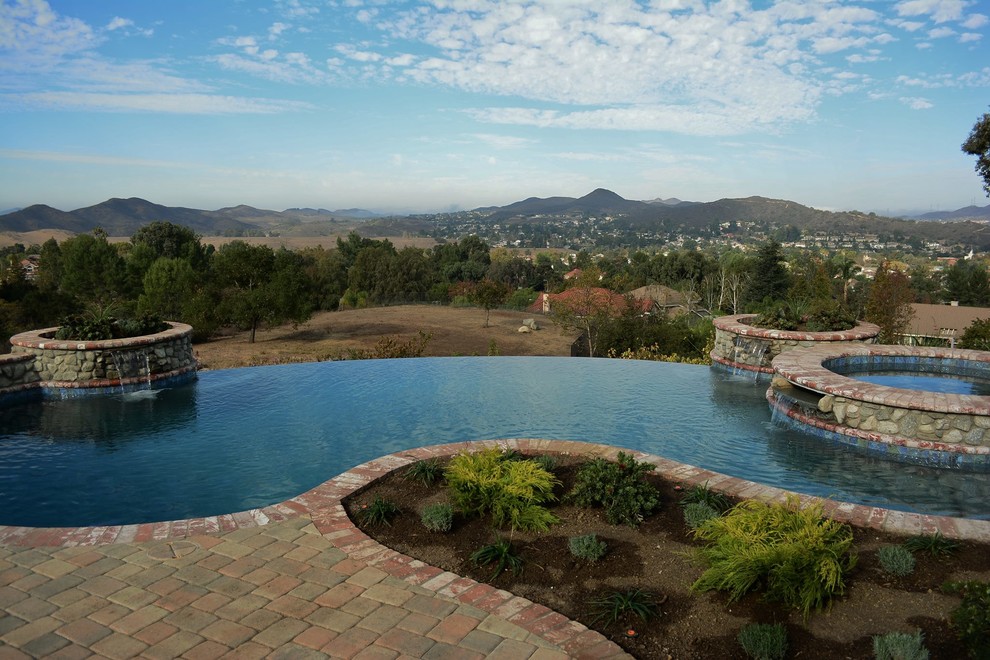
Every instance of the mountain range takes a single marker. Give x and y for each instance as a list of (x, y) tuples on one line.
[(123, 217)]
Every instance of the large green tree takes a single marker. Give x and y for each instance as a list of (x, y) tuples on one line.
[(978, 144), (259, 286), (92, 271), (966, 282), (770, 280)]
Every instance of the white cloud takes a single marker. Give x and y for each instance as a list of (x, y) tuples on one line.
[(916, 103), (117, 22), (502, 141), (967, 37), (276, 30), (939, 33), (975, 21), (940, 11), (167, 103)]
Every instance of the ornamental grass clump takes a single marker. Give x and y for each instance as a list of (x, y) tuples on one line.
[(513, 492), (896, 560), (617, 604), (620, 488), (501, 553), (587, 546), (799, 557), (764, 641), (437, 517), (427, 471), (379, 512), (934, 544), (900, 646), (697, 514), (702, 494)]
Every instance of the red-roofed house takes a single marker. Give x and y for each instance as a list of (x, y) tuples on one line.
[(585, 301)]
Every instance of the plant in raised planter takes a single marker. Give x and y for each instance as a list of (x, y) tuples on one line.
[(619, 487), (102, 326), (972, 618)]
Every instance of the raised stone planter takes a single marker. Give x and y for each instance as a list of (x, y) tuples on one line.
[(747, 348), (931, 428), (66, 368)]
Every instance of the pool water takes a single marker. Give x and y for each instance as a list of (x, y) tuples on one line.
[(942, 383), (245, 438)]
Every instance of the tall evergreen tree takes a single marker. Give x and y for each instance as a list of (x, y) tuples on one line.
[(770, 281)]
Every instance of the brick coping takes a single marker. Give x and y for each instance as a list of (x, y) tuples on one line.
[(737, 324), (805, 367)]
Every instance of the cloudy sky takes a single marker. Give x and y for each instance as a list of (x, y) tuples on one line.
[(453, 104)]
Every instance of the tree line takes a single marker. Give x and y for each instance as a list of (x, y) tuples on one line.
[(167, 271)]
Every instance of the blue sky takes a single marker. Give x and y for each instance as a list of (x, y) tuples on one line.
[(454, 104)]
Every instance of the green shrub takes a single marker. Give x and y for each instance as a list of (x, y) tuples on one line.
[(437, 517), (587, 546), (620, 488), (379, 512), (427, 472), (896, 560), (697, 513), (502, 554), (934, 544), (512, 491), (778, 316), (971, 619), (619, 603), (799, 557), (764, 641), (96, 326), (976, 336), (701, 493), (900, 646)]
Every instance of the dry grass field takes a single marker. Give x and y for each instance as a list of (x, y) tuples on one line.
[(454, 331)]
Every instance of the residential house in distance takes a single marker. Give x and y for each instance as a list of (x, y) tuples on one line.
[(669, 302), (941, 324)]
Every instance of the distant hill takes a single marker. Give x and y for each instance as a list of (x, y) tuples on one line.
[(965, 213), (123, 217)]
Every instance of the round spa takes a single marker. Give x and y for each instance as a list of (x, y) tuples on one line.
[(744, 348), (914, 404)]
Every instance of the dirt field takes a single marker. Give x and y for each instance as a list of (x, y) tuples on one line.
[(455, 331)]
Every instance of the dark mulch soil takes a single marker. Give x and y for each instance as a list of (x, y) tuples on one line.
[(657, 557)]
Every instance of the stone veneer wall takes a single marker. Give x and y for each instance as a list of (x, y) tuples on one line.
[(947, 430), (739, 345), (39, 360)]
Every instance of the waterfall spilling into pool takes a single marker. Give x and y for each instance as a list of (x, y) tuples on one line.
[(245, 438)]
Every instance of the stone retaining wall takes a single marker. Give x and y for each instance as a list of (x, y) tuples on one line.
[(740, 346), (39, 360)]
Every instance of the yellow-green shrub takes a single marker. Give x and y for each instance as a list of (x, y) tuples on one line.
[(512, 491), (799, 556)]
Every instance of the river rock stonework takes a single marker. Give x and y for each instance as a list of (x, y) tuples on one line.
[(37, 360), (743, 347), (931, 428)]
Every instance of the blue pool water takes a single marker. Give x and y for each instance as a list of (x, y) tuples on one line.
[(245, 438), (942, 383)]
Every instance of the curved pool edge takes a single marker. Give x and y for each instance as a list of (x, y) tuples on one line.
[(323, 503)]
